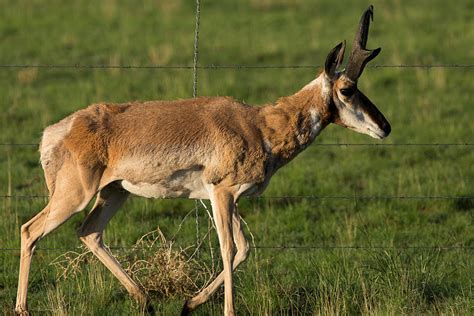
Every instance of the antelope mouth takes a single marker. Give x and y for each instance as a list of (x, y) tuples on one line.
[(379, 134)]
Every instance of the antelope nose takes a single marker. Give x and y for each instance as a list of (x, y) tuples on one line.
[(386, 128)]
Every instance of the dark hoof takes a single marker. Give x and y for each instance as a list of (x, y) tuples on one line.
[(186, 310), (21, 311), (149, 309)]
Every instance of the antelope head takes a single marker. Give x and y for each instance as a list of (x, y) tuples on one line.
[(351, 108)]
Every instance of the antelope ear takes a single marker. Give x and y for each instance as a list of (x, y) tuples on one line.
[(334, 59)]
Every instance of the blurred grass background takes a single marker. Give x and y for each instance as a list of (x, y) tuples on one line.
[(424, 105)]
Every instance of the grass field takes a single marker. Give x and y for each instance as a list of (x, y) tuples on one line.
[(416, 255)]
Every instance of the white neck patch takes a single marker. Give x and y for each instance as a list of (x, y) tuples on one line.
[(316, 127), (316, 124)]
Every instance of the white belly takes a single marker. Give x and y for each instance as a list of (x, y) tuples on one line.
[(182, 183)]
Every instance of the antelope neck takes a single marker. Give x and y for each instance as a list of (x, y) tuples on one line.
[(292, 124)]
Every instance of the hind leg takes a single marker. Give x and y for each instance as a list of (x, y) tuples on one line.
[(68, 199), (108, 202), (31, 232)]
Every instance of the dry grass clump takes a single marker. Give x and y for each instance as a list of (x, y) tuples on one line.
[(28, 75), (71, 264), (161, 268)]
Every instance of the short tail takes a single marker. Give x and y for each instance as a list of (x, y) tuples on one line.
[(52, 151)]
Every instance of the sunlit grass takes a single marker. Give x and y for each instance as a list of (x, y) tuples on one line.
[(423, 105)]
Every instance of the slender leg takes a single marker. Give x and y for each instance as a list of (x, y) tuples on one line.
[(240, 256), (63, 204), (108, 202), (223, 205), (31, 232)]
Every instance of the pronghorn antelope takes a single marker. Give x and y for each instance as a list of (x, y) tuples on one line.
[(212, 148)]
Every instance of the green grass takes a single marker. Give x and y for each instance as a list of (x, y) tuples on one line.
[(423, 105)]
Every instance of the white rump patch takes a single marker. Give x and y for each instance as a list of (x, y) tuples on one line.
[(52, 136)]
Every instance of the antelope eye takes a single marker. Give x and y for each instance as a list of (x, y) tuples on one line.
[(347, 92)]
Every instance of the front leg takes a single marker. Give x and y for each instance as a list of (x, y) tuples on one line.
[(223, 205), (242, 253)]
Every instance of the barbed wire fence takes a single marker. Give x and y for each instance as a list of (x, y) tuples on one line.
[(226, 66), (195, 67), (284, 247), (316, 144)]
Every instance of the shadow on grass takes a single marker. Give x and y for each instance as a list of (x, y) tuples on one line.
[(464, 204)]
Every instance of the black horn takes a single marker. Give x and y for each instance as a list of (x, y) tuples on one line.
[(360, 56)]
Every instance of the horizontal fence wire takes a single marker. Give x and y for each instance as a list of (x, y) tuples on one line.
[(270, 247), (366, 197), (217, 67), (316, 144), (307, 197), (194, 67)]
